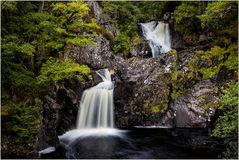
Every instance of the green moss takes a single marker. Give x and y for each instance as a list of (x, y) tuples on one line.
[(161, 107), (209, 72), (231, 62), (176, 76), (106, 34), (179, 80), (146, 103), (172, 52), (155, 107), (207, 105), (176, 93), (201, 97)]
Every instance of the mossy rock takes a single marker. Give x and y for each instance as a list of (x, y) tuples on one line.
[(155, 107)]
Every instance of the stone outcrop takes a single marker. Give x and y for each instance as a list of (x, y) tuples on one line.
[(96, 57), (196, 107), (59, 111), (102, 19), (150, 91)]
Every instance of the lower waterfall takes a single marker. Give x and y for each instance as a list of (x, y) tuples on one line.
[(96, 108), (96, 112), (158, 36)]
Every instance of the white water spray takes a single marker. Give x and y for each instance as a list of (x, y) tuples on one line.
[(158, 35)]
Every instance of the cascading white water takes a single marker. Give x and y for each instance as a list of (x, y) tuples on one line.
[(95, 116), (96, 108), (158, 35)]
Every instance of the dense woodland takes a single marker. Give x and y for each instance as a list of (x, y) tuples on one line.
[(34, 36)]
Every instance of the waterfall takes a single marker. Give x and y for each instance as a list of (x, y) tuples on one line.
[(96, 107), (158, 36), (96, 115)]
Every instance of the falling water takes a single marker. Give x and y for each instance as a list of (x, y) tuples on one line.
[(95, 116), (158, 35), (96, 107)]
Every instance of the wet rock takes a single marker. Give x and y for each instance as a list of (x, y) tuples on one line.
[(59, 112), (166, 16), (189, 111), (141, 49), (150, 83), (177, 41), (102, 19)]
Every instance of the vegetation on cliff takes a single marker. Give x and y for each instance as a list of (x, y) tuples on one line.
[(227, 124), (34, 36)]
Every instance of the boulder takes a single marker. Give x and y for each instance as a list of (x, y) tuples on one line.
[(189, 108)]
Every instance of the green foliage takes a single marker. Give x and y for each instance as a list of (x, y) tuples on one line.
[(231, 62), (23, 124), (27, 49), (30, 36), (25, 120), (213, 60), (121, 44), (218, 14), (221, 18), (73, 21), (184, 11), (227, 124), (34, 34), (186, 18), (179, 82), (54, 70)]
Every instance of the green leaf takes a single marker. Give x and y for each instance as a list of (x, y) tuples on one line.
[(27, 49)]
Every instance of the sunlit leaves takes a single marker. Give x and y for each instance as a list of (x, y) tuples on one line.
[(121, 43), (232, 61), (54, 70), (27, 49), (185, 11), (217, 13), (227, 124)]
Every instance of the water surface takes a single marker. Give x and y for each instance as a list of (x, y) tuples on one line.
[(145, 143)]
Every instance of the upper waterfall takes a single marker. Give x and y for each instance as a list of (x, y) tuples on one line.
[(96, 107), (158, 35)]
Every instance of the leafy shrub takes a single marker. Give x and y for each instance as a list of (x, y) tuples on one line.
[(24, 124), (54, 70), (227, 124), (121, 44), (186, 18)]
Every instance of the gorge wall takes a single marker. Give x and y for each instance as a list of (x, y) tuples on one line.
[(148, 91)]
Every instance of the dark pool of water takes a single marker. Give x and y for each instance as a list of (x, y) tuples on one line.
[(142, 143)]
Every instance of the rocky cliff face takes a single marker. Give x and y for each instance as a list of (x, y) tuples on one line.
[(59, 112), (143, 90)]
